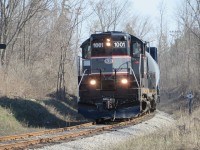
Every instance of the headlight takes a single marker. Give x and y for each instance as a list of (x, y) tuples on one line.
[(108, 42), (124, 81), (92, 82)]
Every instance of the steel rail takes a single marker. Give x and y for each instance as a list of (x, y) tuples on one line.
[(85, 132), (33, 134)]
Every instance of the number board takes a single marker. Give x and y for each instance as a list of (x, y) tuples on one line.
[(119, 44), (97, 45), (116, 44)]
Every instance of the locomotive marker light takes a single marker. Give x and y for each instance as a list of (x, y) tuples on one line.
[(92, 82), (86, 62)]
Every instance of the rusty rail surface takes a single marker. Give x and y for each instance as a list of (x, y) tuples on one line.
[(84, 132), (28, 135)]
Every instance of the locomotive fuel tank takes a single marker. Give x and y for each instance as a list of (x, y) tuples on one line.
[(153, 67)]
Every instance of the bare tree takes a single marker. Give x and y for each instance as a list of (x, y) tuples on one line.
[(189, 19), (108, 13), (67, 26), (180, 62), (139, 26), (14, 16), (190, 16), (163, 48)]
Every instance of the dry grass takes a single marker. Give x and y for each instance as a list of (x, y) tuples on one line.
[(184, 135), (26, 83), (28, 93), (34, 81)]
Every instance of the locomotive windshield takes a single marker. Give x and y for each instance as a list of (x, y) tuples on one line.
[(109, 45)]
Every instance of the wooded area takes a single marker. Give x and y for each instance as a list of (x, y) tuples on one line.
[(179, 50), (43, 39)]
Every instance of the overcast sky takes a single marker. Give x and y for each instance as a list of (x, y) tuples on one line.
[(151, 8)]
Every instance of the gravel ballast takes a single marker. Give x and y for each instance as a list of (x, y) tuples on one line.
[(106, 140)]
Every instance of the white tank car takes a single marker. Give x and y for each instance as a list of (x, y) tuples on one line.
[(153, 67)]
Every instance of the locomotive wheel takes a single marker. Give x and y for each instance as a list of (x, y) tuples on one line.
[(100, 121), (153, 106), (146, 106)]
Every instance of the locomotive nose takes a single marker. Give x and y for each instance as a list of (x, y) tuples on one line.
[(108, 65), (103, 64)]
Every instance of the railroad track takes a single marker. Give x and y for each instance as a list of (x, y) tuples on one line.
[(47, 136)]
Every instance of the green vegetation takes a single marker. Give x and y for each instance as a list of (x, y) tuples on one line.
[(20, 115), (8, 123)]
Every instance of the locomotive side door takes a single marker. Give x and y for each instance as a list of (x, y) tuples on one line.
[(135, 54), (143, 67)]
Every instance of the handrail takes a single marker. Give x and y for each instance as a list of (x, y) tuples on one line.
[(82, 77), (140, 69), (140, 91), (135, 77)]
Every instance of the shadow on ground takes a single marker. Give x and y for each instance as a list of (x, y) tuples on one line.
[(62, 107), (61, 95), (34, 114)]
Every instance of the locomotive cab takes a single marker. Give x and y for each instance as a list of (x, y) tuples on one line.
[(106, 45)]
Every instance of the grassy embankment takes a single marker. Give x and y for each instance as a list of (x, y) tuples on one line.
[(28, 101), (21, 115), (185, 135)]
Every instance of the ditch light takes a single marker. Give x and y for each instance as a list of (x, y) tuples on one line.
[(92, 82)]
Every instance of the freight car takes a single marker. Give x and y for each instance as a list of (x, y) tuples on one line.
[(118, 76)]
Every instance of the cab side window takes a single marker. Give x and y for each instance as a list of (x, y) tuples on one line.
[(86, 50), (136, 48)]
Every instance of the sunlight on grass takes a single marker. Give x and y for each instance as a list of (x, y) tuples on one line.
[(184, 135), (8, 123), (21, 115)]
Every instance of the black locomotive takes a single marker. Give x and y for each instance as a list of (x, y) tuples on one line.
[(118, 76)]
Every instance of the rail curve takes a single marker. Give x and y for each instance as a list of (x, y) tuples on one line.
[(67, 133)]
